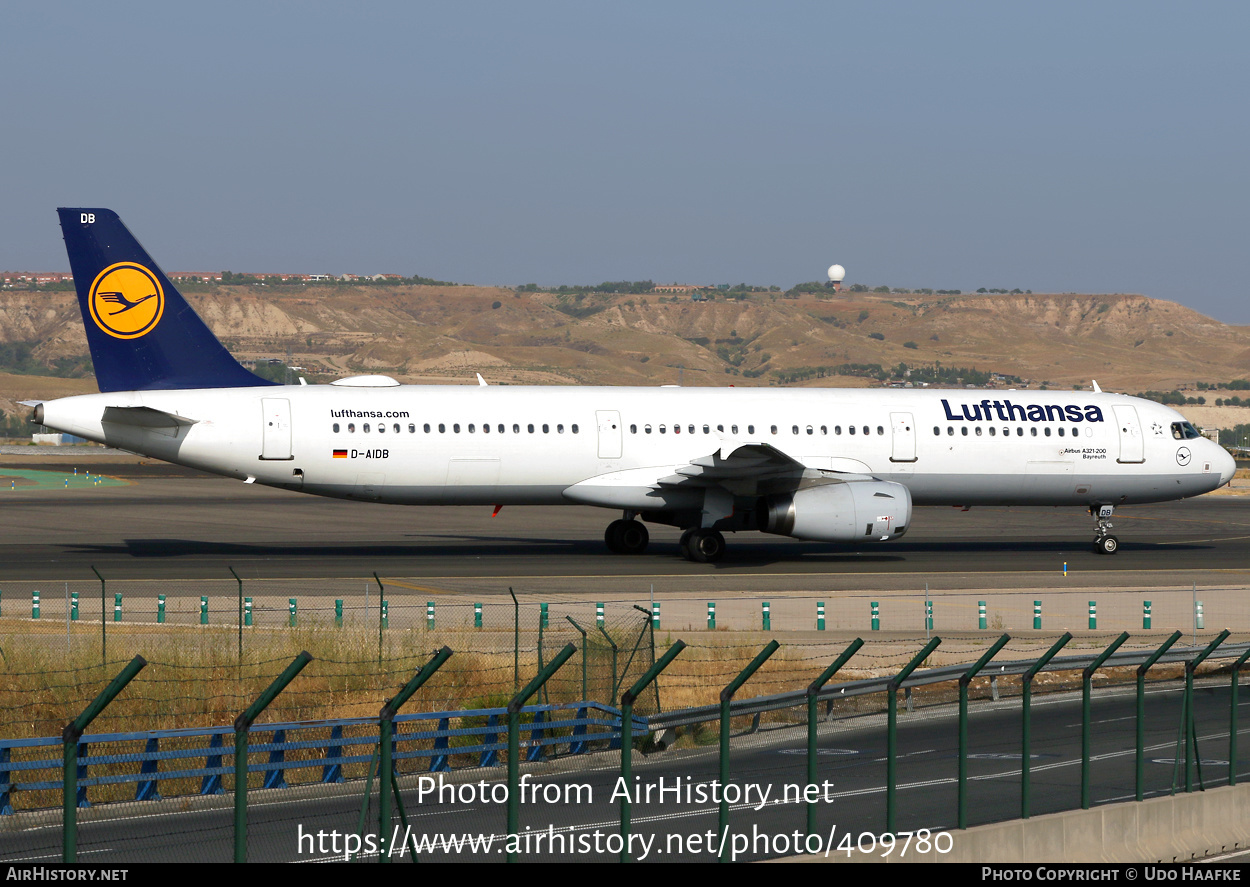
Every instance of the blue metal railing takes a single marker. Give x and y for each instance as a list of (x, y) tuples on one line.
[(576, 725)]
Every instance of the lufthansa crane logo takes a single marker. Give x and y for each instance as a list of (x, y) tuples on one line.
[(1183, 456), (126, 300)]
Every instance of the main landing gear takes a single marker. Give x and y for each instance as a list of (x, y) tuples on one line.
[(626, 536), (702, 546), (1104, 542)]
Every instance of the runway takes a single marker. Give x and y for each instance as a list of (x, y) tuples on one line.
[(163, 521)]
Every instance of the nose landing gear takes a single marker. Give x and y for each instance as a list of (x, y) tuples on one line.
[(1104, 542)]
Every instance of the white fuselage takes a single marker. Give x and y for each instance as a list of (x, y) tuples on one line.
[(420, 445)]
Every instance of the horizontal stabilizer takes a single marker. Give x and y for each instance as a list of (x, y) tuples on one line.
[(144, 417)]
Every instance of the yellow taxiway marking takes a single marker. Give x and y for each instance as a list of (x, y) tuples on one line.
[(426, 588)]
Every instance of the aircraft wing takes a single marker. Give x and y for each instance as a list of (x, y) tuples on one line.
[(735, 461)]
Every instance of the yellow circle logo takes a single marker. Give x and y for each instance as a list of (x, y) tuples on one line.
[(126, 300)]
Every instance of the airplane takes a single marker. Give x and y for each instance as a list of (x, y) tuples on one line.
[(826, 465)]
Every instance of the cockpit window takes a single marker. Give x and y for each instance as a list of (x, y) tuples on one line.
[(1184, 431)]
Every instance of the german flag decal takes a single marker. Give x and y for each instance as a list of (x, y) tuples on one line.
[(340, 454)]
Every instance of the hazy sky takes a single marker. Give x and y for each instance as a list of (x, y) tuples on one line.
[(1086, 147)]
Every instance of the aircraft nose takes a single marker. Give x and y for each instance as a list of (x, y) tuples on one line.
[(1227, 466)]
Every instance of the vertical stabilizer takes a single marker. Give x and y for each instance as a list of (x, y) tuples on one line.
[(142, 333)]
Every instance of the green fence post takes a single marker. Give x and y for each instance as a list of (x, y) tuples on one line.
[(891, 739), (1191, 732), (34, 604), (1198, 620), (1037, 615), (429, 615), (385, 613), (247, 611), (292, 612), (820, 615), (711, 615), (242, 724), (104, 638), (160, 609), (1232, 721), (1087, 682), (117, 607), (1141, 710), (655, 614), (964, 681), (1026, 741), (981, 624), (928, 615), (726, 697), (381, 614), (239, 630), (1093, 615), (766, 616), (338, 613), (477, 615), (203, 609), (599, 614), (1145, 615), (876, 616), (627, 740), (514, 738), (69, 739), (813, 694), (386, 774), (573, 622), (73, 606)]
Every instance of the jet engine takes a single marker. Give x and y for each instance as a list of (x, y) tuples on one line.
[(851, 511)]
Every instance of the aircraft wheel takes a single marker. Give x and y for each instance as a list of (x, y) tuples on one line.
[(612, 537), (684, 545), (704, 546), (633, 537), (1097, 546), (1108, 545)]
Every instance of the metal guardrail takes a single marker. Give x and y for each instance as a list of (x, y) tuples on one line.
[(586, 728)]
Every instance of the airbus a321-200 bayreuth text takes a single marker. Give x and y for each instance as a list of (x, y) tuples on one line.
[(826, 465)]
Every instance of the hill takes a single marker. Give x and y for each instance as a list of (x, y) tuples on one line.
[(437, 334)]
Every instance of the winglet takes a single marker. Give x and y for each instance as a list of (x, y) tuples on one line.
[(1094, 382), (480, 380)]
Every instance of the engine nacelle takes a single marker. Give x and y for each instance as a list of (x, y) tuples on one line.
[(855, 511)]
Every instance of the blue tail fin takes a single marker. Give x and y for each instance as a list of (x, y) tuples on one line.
[(143, 334)]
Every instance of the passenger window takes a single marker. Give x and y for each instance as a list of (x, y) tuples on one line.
[(426, 428), (633, 429), (351, 427), (560, 429), (707, 429), (516, 429), (1033, 431), (1020, 432), (824, 429), (1048, 431), (774, 428), (662, 428), (794, 429), (412, 428), (690, 428), (950, 431), (365, 428), (880, 430), (750, 429), (811, 430), (381, 428), (530, 428), (455, 427), (575, 429), (442, 429), (395, 428), (501, 429), (486, 428), (850, 429), (1061, 431), (676, 429), (470, 428), (336, 427), (936, 431), (646, 429), (546, 428), (865, 429), (964, 431), (837, 429), (992, 431), (978, 431)]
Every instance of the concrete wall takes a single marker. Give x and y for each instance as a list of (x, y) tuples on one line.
[(1168, 829)]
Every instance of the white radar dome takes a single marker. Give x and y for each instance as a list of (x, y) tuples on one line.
[(836, 273)]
